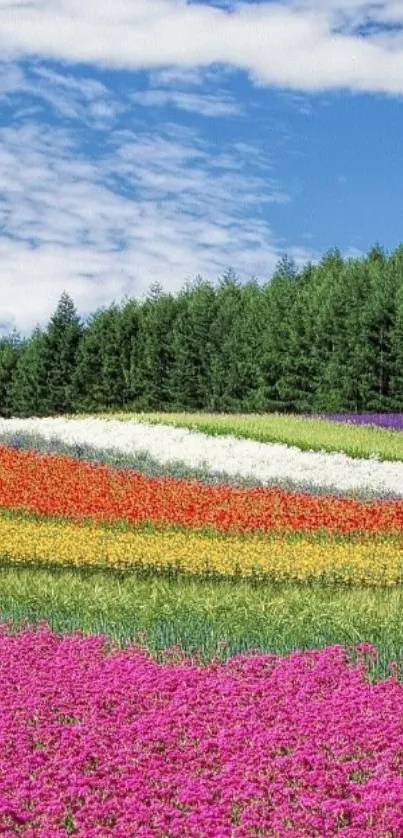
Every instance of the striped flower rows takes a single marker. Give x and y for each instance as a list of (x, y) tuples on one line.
[(100, 741), (284, 536), (248, 458), (57, 485)]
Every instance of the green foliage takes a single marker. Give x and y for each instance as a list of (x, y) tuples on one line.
[(11, 349), (27, 392), (227, 385), (396, 354), (42, 382), (60, 346), (327, 337), (129, 330), (98, 377), (217, 618), (192, 346), (155, 359)]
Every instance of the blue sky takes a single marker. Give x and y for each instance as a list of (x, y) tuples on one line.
[(145, 140)]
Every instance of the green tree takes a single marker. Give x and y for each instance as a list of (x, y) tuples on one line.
[(60, 345), (98, 379), (10, 350), (129, 349), (251, 327), (396, 379), (227, 374), (189, 380), (328, 337), (156, 329), (327, 312), (28, 388), (345, 375), (280, 294), (296, 382), (379, 314)]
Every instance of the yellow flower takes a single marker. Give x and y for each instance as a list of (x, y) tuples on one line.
[(368, 562)]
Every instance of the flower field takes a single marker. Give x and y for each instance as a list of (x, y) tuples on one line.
[(201, 630), (393, 421)]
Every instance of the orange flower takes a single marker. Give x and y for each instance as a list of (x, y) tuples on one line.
[(58, 485)]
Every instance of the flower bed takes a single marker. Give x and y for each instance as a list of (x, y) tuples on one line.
[(117, 730)]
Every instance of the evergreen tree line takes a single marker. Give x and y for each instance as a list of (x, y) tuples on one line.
[(327, 337)]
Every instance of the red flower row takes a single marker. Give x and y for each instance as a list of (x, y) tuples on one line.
[(58, 485)]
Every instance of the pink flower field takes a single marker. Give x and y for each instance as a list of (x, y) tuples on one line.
[(101, 741)]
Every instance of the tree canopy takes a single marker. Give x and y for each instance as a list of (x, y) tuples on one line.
[(325, 337)]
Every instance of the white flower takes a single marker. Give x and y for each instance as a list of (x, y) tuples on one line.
[(267, 462)]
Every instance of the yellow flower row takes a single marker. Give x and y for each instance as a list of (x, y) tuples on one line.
[(373, 562)]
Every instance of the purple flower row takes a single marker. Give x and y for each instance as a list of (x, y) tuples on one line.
[(108, 742), (393, 421)]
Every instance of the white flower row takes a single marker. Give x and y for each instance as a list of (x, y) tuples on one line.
[(266, 462)]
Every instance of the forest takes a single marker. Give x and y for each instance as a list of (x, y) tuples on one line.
[(325, 337)]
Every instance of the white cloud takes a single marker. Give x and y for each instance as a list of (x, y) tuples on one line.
[(301, 44), (150, 206), (202, 103), (187, 76), (353, 253), (177, 76), (157, 204), (85, 99)]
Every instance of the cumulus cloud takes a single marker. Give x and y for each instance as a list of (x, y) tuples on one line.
[(301, 44)]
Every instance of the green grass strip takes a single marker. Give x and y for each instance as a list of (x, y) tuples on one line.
[(304, 433), (214, 619)]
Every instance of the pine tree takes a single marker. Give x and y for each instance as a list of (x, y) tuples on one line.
[(227, 380), (98, 379), (10, 350), (251, 329), (189, 380), (328, 337), (396, 379), (327, 312), (280, 294), (379, 314), (129, 349), (347, 370), (29, 385), (296, 384), (61, 342), (157, 319)]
